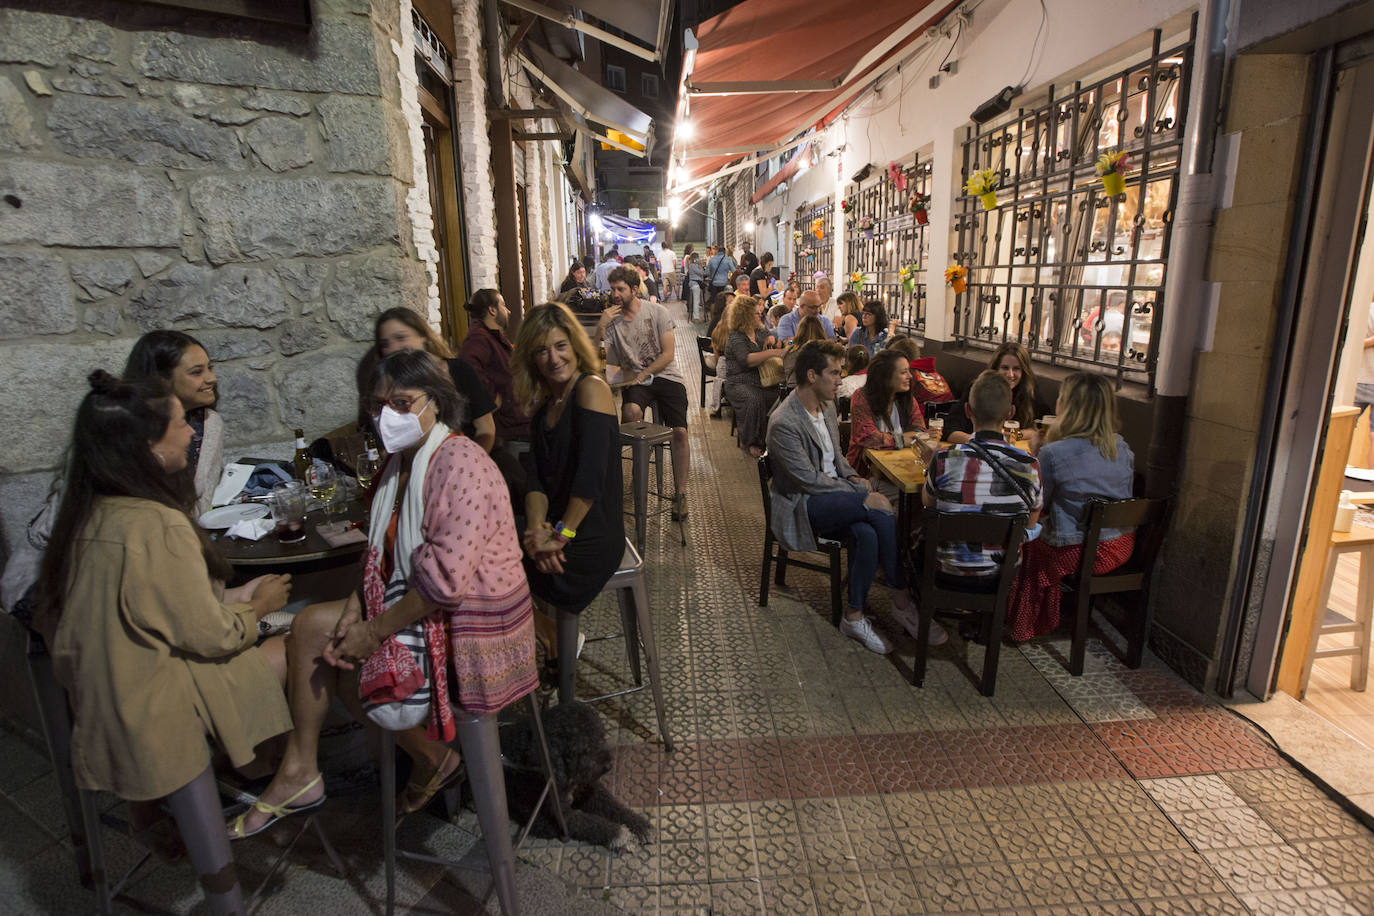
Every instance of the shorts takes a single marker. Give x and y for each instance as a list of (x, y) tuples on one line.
[(668, 396), (1364, 396)]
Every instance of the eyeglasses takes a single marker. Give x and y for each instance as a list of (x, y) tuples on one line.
[(399, 403)]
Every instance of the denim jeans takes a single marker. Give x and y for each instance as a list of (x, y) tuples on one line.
[(839, 514)]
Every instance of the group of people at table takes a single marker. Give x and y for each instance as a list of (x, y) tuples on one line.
[(158, 652)]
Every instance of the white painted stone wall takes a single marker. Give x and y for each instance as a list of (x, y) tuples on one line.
[(1081, 37), (417, 195), (474, 143)]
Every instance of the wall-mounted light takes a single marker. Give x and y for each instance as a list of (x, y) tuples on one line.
[(749, 226)]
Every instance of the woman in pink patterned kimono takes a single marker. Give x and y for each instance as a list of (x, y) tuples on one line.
[(442, 552)]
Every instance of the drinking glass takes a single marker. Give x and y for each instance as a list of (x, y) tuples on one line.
[(323, 481), (367, 469), (1011, 430), (937, 428), (287, 502)]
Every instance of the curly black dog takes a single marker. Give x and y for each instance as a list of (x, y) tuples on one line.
[(577, 744)]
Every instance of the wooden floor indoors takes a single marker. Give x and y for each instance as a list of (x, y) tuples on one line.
[(1328, 691)]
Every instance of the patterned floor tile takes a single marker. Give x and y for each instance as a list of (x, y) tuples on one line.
[(792, 894), (1317, 820), (1225, 827), (1348, 860), (1326, 901), (1168, 874), (1193, 793), (840, 893), (1264, 870)]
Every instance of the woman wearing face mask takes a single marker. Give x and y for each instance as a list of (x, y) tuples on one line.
[(404, 329), (154, 652), (574, 519), (442, 550), (182, 362)]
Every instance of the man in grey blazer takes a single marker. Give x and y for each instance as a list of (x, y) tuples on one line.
[(815, 491)]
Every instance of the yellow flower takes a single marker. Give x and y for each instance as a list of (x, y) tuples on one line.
[(1108, 163), (981, 182), (955, 272)]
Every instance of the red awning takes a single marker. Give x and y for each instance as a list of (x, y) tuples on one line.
[(767, 69)]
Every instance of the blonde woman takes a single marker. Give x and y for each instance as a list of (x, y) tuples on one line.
[(746, 348), (1084, 458), (574, 522)]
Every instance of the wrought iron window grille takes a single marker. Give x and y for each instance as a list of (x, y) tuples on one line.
[(1073, 273), (821, 256), (897, 240)]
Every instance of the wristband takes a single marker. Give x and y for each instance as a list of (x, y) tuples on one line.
[(562, 532)]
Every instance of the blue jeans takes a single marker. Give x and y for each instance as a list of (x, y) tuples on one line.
[(836, 515)]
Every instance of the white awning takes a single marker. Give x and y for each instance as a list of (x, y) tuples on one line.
[(601, 112), (647, 20)]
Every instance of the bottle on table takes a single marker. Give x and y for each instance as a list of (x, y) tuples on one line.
[(368, 464), (300, 462)]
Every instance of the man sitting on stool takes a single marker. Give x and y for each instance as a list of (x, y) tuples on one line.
[(815, 492), (640, 341)]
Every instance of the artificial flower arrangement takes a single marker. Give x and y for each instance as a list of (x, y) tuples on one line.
[(818, 227), (1111, 168), (856, 280), (807, 253), (818, 276), (866, 225), (957, 277), (983, 185), (920, 205), (897, 176), (846, 205), (796, 235), (907, 276)]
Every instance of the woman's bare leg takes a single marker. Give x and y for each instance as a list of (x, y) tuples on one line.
[(546, 628), (274, 647), (311, 682)]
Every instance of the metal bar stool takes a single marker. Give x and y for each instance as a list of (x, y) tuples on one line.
[(641, 437), (480, 745), (638, 632)]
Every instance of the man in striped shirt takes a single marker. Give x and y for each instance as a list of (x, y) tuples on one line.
[(960, 478)]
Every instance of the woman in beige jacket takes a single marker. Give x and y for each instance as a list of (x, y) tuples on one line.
[(156, 656)]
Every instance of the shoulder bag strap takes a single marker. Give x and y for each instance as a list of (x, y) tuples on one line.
[(1002, 472)]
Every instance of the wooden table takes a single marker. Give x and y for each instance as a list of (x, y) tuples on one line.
[(318, 571)]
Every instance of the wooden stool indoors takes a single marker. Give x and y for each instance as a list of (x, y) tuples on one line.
[(1359, 540)]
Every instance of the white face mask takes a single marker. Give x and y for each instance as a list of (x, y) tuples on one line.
[(399, 431)]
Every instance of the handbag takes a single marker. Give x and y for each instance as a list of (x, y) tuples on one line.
[(399, 688), (771, 372)]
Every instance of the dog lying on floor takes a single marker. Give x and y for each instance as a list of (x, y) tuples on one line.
[(577, 745)]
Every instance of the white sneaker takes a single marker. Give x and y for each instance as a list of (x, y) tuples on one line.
[(911, 622), (862, 631)]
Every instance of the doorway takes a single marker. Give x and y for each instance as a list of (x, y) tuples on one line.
[(1313, 575)]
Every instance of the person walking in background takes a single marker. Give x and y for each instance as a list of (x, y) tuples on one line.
[(718, 271), (747, 259), (695, 273), (667, 262), (761, 277)]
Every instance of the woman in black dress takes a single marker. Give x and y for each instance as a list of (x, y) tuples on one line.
[(574, 522)]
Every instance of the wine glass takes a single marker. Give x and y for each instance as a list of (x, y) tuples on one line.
[(323, 482), (367, 469)]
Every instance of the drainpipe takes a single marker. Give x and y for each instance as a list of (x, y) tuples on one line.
[(491, 37), (1184, 289)]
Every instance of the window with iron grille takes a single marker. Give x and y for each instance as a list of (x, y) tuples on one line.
[(1073, 272), (814, 253), (886, 241)]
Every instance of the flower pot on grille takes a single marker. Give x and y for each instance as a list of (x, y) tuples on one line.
[(1114, 183), (989, 200), (922, 217), (958, 284)]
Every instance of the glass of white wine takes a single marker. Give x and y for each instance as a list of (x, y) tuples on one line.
[(323, 482), (366, 467)]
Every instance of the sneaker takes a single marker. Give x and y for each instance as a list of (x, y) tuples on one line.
[(679, 507), (911, 622), (862, 631)]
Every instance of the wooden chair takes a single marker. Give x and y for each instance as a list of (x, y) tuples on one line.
[(842, 407), (984, 598), (703, 348), (830, 548), (937, 409), (1147, 517), (1359, 540)]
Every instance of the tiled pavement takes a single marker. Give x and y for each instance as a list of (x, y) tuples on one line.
[(810, 777)]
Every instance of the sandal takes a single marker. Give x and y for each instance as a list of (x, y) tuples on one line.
[(415, 797), (277, 812)]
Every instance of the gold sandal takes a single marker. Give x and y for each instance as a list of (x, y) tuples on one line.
[(415, 797), (277, 812)]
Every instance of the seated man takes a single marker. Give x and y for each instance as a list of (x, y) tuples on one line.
[(815, 492), (640, 341), (962, 478), (807, 305)]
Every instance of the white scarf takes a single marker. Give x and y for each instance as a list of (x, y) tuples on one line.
[(408, 535)]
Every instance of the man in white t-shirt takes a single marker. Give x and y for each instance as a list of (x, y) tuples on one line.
[(816, 493), (668, 262), (640, 341)]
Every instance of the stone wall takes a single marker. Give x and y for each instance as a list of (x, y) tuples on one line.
[(161, 169)]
